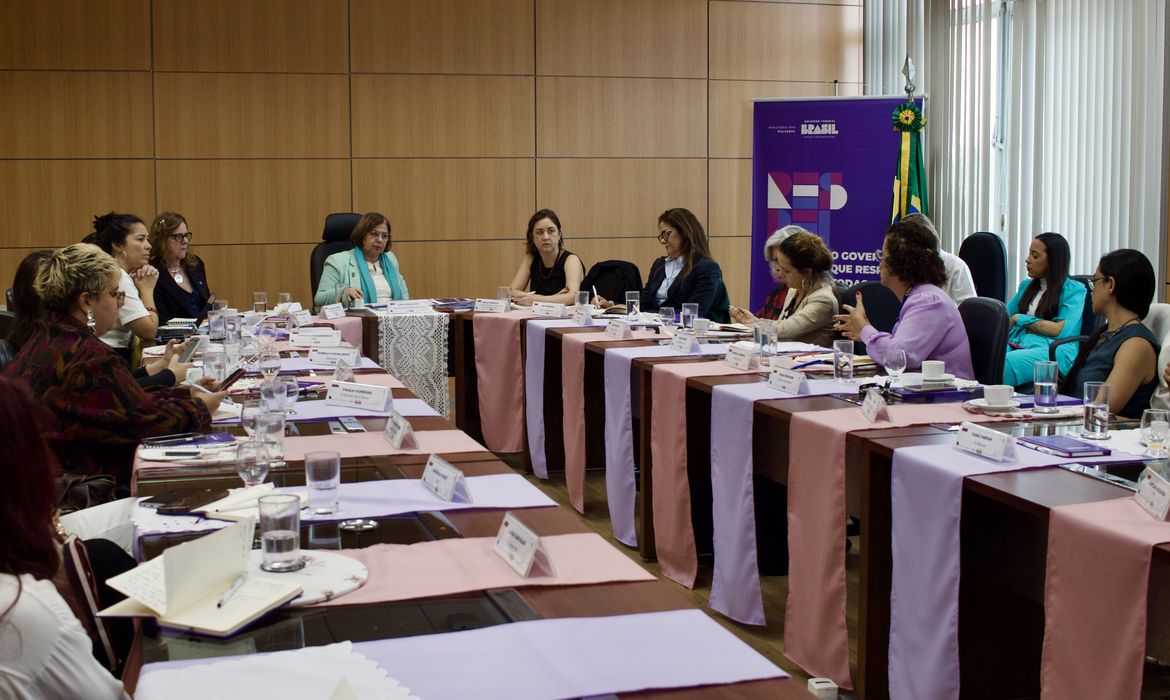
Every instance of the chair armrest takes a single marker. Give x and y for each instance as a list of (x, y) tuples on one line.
[(1071, 339)]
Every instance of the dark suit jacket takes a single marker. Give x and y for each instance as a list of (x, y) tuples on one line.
[(704, 286), (169, 297)]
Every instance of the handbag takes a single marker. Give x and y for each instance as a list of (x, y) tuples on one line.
[(80, 491)]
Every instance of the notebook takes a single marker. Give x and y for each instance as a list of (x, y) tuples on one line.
[(1063, 446)]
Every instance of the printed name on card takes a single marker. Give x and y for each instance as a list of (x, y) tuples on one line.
[(332, 311), (445, 481), (741, 355), (1153, 494), (619, 329), (518, 545), (367, 396), (408, 306), (549, 309), (583, 315), (301, 318), (328, 339), (491, 306), (332, 356), (985, 442), (399, 433), (684, 342), (788, 381), (874, 405)]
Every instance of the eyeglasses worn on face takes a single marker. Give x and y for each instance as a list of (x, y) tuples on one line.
[(1094, 281), (664, 236), (118, 295), (379, 235), (181, 237)]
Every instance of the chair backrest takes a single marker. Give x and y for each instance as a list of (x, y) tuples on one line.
[(334, 239), (986, 255), (881, 306), (7, 321), (1089, 320), (613, 278), (1158, 321), (86, 590), (986, 321), (7, 353), (8, 298)]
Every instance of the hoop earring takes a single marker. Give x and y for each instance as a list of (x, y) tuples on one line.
[(89, 319)]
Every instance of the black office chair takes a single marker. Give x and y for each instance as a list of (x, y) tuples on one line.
[(985, 254), (1089, 320), (613, 278), (8, 298), (7, 321), (334, 239), (7, 353), (986, 321), (881, 306)]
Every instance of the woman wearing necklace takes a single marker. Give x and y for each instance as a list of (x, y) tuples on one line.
[(553, 273), (182, 285), (1123, 352), (929, 326), (369, 271), (124, 237)]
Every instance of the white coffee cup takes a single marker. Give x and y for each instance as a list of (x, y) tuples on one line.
[(702, 325), (933, 369), (997, 394)]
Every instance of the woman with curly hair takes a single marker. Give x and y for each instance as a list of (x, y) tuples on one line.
[(929, 326)]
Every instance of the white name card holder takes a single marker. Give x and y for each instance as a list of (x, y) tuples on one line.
[(583, 315), (549, 309), (333, 356), (985, 442), (518, 545), (294, 306), (740, 355), (445, 481), (491, 306), (354, 395), (789, 381), (318, 330), (684, 342), (399, 433), (328, 339), (332, 311), (301, 318), (874, 405), (1153, 494), (618, 329), (343, 372), (408, 306)]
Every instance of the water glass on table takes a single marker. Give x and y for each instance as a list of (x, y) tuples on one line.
[(843, 360), (253, 460), (215, 323), (764, 334), (284, 297), (582, 298), (274, 396), (504, 293), (269, 364), (270, 429), (666, 316), (280, 533), (894, 363), (249, 415), (323, 475), (260, 302), (633, 305), (1155, 430), (689, 313), (215, 365), (1044, 375), (1096, 425)]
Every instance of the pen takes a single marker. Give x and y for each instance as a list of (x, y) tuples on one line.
[(227, 595), (595, 291), (181, 453), (806, 364)]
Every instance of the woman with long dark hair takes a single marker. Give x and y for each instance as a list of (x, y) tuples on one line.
[(125, 238), (1048, 305), (548, 272)]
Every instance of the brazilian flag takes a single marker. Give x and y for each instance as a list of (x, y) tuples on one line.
[(910, 175)]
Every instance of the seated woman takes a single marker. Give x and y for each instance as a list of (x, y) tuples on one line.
[(125, 237), (1123, 352), (1048, 305), (100, 411), (44, 650), (369, 271), (182, 292), (805, 262), (553, 273), (929, 326), (774, 302), (686, 274)]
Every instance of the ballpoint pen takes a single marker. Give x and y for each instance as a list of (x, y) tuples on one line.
[(806, 364), (227, 595)]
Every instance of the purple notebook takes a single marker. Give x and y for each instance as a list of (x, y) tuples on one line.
[(1063, 446), (948, 395), (1029, 400)]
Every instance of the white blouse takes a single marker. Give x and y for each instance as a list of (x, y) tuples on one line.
[(385, 292)]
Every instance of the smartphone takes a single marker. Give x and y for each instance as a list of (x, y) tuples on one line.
[(194, 345), (184, 502), (231, 379), (352, 425)]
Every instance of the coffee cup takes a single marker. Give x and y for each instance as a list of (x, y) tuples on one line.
[(997, 394), (933, 370), (702, 325)]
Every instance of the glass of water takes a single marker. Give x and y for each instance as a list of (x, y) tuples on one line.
[(252, 461), (269, 364), (215, 323), (689, 313), (666, 316), (1044, 375), (284, 297), (292, 392), (583, 298), (274, 395), (234, 350), (260, 302), (249, 414), (764, 333), (843, 360), (504, 293), (270, 429), (323, 475), (1155, 430), (1096, 426), (215, 365), (895, 363), (633, 304), (280, 532)]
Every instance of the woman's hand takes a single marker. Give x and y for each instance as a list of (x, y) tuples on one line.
[(851, 322), (179, 369), (349, 294), (1012, 321), (601, 302), (211, 399), (1166, 374), (523, 298), (145, 278), (742, 316), (174, 348)]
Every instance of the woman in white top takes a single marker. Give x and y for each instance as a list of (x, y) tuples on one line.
[(125, 237), (368, 271), (45, 653)]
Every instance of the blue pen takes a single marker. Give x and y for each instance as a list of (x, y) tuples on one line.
[(807, 364)]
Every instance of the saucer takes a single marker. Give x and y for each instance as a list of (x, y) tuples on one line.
[(982, 404), (916, 379)]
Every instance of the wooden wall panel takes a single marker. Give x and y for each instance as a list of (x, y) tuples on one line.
[(778, 41), (444, 198), (734, 258), (52, 114), (730, 125), (292, 36), (731, 197), (648, 38), (619, 197), (254, 201), (217, 115), (441, 36), (64, 34), (621, 117), (235, 271), (458, 268), (442, 116)]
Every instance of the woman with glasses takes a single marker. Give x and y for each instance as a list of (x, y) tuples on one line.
[(100, 412), (1123, 352), (182, 284), (125, 237), (369, 271), (553, 273), (774, 303)]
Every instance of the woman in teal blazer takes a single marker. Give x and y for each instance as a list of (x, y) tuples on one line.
[(1048, 305), (368, 271)]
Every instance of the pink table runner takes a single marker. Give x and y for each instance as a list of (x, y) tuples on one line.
[(350, 327), (674, 540), (447, 567), (1095, 599), (535, 336), (500, 378), (372, 443)]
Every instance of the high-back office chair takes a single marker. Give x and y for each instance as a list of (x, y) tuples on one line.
[(986, 321), (334, 239), (613, 278), (7, 353), (881, 306), (1089, 320), (985, 254), (7, 321), (1158, 321)]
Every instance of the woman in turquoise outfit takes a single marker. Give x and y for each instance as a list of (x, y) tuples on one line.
[(1048, 305), (369, 271)]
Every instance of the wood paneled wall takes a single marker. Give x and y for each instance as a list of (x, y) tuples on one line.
[(456, 118)]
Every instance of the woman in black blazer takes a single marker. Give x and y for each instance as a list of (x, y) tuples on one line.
[(182, 290), (686, 274)]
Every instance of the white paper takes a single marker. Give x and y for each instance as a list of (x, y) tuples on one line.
[(516, 543), (332, 311), (985, 442), (548, 309), (583, 315), (399, 433), (301, 318), (445, 481), (333, 356)]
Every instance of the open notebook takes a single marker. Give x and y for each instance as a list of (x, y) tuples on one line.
[(182, 588)]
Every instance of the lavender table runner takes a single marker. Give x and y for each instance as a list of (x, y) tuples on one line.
[(534, 389), (321, 410)]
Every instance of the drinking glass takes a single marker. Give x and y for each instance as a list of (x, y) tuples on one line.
[(1155, 430), (1044, 375), (284, 298), (232, 328), (504, 293), (1096, 425), (843, 360), (270, 429), (260, 302), (633, 302), (250, 354), (233, 348), (666, 315), (689, 313), (252, 461), (215, 365), (249, 414), (895, 362), (268, 332), (270, 364), (215, 324), (280, 533), (292, 392), (583, 298), (323, 475), (274, 395), (764, 333)]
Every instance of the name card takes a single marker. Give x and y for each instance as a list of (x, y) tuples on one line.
[(445, 481), (985, 442), (399, 433), (740, 355), (518, 545), (491, 306), (549, 309), (787, 380), (332, 356), (367, 396), (409, 306), (684, 342), (583, 315), (343, 372), (329, 339), (331, 311), (301, 317), (874, 405), (1153, 494), (619, 329), (318, 330)]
